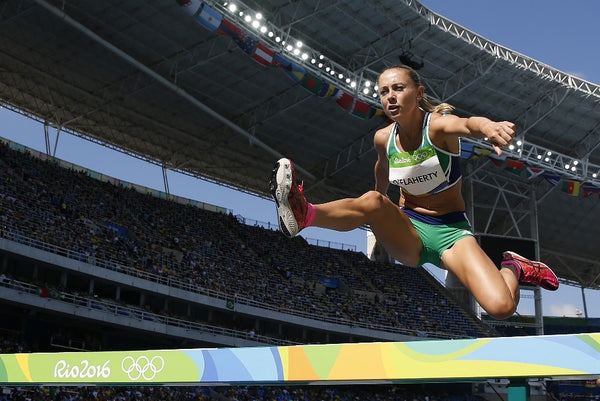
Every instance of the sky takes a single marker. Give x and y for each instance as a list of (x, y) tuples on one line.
[(563, 35)]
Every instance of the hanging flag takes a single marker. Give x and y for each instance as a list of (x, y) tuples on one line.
[(209, 17), (245, 42), (360, 108), (497, 160), (190, 7), (589, 190), (230, 304), (241, 38), (534, 172), (514, 166), (263, 55), (553, 179), (375, 112), (481, 152), (344, 99), (43, 292), (295, 72), (571, 187), (328, 90), (228, 28), (467, 150), (312, 83), (280, 61)]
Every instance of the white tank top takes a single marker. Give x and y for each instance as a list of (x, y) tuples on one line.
[(425, 170)]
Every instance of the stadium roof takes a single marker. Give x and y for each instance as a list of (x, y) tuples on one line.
[(161, 81)]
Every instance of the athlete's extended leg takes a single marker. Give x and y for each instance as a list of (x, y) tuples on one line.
[(497, 291), (391, 226)]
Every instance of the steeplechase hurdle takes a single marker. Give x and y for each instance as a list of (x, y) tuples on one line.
[(518, 359)]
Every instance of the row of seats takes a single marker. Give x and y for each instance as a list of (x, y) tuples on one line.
[(39, 199)]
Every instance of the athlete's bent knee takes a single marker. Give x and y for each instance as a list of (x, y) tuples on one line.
[(501, 308), (373, 202)]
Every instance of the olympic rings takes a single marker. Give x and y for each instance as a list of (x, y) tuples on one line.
[(142, 367)]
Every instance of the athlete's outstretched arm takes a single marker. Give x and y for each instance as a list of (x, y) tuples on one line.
[(499, 133)]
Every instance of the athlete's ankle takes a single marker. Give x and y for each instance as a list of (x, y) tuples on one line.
[(311, 213), (513, 266)]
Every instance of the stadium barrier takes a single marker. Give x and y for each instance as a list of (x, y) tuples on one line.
[(558, 357)]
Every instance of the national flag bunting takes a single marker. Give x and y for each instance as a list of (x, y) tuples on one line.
[(209, 17), (481, 152), (328, 90), (295, 72), (375, 112), (360, 108), (312, 83), (571, 187), (589, 190), (245, 42), (263, 55), (497, 160), (228, 28), (241, 38), (190, 7), (344, 99), (534, 172), (467, 150), (280, 61), (552, 179), (514, 166)]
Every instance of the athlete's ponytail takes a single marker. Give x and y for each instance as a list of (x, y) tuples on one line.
[(442, 108)]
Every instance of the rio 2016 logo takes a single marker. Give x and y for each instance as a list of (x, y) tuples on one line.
[(142, 367), (83, 370), (138, 368)]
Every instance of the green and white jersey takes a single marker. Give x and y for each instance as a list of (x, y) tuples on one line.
[(425, 170)]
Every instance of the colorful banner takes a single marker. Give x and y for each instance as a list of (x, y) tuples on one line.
[(548, 357)]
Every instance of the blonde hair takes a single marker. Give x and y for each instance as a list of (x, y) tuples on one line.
[(425, 103)]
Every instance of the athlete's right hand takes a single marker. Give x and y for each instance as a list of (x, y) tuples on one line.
[(500, 134)]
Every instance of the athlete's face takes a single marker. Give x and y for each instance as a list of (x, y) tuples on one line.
[(398, 92)]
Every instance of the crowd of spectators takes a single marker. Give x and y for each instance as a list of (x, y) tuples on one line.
[(105, 222), (234, 393), (102, 221)]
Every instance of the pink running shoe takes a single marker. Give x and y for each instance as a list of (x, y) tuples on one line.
[(289, 198), (531, 272)]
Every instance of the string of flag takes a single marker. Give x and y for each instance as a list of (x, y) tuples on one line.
[(264, 55), (520, 168)]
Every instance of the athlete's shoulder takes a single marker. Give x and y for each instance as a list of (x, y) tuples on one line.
[(382, 136), (443, 129), (442, 120), (385, 131)]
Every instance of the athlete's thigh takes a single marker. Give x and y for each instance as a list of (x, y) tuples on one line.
[(398, 235), (476, 271)]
